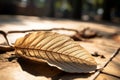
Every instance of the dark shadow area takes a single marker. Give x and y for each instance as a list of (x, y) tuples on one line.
[(38, 68), (43, 69), (71, 76)]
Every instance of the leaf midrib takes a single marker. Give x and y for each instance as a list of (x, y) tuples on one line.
[(56, 53)]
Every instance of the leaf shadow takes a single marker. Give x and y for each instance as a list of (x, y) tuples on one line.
[(71, 76), (43, 69), (38, 68)]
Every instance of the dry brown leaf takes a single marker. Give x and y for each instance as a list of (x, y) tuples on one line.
[(57, 50)]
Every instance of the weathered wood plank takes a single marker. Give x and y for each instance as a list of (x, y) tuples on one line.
[(27, 69)]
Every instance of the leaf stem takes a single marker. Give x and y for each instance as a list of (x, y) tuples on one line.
[(4, 48), (44, 30), (5, 36)]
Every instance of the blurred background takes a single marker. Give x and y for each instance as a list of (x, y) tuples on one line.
[(86, 10)]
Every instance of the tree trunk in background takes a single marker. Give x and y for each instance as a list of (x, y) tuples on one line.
[(50, 8), (107, 5), (77, 9), (31, 9), (8, 7)]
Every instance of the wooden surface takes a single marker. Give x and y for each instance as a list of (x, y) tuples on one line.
[(23, 69)]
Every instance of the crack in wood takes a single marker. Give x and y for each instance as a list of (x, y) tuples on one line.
[(97, 73)]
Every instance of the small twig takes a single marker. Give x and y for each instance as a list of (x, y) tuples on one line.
[(85, 33), (99, 70), (88, 33), (80, 35), (77, 35), (4, 48), (5, 36), (44, 30)]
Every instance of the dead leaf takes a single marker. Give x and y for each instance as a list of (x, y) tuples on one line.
[(57, 50)]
